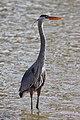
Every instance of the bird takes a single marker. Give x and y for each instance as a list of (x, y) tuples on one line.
[(34, 78)]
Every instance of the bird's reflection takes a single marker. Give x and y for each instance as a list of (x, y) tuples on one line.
[(26, 115)]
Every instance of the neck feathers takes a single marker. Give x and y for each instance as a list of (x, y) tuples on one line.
[(41, 56)]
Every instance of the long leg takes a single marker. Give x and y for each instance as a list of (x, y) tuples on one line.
[(39, 90), (31, 95), (38, 94)]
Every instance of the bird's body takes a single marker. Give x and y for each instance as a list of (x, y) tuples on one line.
[(35, 76)]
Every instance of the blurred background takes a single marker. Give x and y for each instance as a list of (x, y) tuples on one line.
[(19, 48)]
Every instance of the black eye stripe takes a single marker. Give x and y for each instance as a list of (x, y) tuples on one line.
[(46, 16)]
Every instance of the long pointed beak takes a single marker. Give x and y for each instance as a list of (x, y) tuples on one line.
[(55, 18)]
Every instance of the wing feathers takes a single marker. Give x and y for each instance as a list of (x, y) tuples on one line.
[(35, 75)]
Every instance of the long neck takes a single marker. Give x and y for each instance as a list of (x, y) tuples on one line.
[(41, 56)]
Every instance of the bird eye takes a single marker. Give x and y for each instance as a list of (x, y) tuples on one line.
[(46, 16)]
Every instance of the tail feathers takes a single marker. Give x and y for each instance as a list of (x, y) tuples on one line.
[(21, 95)]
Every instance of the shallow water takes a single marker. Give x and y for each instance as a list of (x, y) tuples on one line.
[(19, 48)]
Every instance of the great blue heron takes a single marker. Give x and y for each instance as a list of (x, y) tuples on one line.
[(35, 76)]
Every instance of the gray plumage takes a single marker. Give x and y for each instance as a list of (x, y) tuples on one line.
[(35, 76)]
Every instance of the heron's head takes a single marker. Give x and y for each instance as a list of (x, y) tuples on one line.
[(43, 17)]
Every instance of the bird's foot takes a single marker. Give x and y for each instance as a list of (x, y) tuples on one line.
[(38, 111), (32, 111)]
